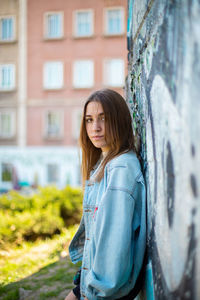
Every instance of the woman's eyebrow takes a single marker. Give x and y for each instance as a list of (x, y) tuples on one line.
[(101, 114)]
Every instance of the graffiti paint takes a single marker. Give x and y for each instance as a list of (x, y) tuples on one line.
[(163, 96)]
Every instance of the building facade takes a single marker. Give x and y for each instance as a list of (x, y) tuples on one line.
[(9, 57), (53, 55)]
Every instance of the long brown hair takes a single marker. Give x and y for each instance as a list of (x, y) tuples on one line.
[(118, 131)]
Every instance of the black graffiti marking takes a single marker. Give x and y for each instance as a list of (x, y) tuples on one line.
[(193, 184), (194, 211), (170, 185), (193, 150)]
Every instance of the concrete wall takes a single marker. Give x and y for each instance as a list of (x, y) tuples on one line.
[(163, 89)]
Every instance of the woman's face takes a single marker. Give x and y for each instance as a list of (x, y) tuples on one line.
[(95, 125)]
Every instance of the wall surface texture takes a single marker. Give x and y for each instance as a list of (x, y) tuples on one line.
[(163, 91)]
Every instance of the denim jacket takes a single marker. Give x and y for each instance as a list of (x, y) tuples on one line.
[(111, 238)]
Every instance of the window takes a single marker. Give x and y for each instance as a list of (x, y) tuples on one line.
[(7, 77), (52, 173), (54, 124), (6, 29), (114, 21), (54, 25), (7, 128), (83, 23), (83, 74), (53, 75), (114, 72), (6, 172)]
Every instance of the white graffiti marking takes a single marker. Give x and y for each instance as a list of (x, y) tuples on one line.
[(172, 243)]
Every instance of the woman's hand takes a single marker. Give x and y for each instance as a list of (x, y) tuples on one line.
[(71, 296)]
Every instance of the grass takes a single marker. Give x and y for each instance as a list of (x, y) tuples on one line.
[(50, 294), (37, 271), (12, 295)]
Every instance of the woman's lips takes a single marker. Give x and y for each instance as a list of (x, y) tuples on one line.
[(97, 137)]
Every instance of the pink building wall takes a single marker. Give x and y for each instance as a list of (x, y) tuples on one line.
[(68, 49)]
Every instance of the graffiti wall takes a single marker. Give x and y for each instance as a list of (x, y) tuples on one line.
[(163, 91)]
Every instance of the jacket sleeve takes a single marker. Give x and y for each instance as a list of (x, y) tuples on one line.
[(113, 259), (77, 244)]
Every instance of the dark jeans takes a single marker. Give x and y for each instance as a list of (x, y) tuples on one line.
[(76, 292)]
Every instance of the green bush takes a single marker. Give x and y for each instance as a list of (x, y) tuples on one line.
[(40, 215)]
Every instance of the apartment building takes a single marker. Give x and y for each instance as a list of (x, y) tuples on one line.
[(9, 24), (53, 55)]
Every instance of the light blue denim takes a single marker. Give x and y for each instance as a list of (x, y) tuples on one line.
[(111, 238)]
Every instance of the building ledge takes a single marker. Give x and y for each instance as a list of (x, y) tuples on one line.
[(77, 37), (49, 39), (8, 91), (107, 35), (8, 42)]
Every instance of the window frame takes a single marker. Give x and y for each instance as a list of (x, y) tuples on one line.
[(47, 86), (107, 84), (75, 32), (105, 22), (2, 65), (45, 126), (6, 182), (13, 39), (46, 15), (13, 123), (75, 84)]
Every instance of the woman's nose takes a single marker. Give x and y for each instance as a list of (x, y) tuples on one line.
[(96, 126)]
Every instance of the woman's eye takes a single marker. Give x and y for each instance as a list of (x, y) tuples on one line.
[(102, 118), (88, 120)]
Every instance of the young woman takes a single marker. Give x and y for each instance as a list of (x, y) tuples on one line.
[(111, 238)]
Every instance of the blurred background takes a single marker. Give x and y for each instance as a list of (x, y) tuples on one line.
[(53, 54)]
